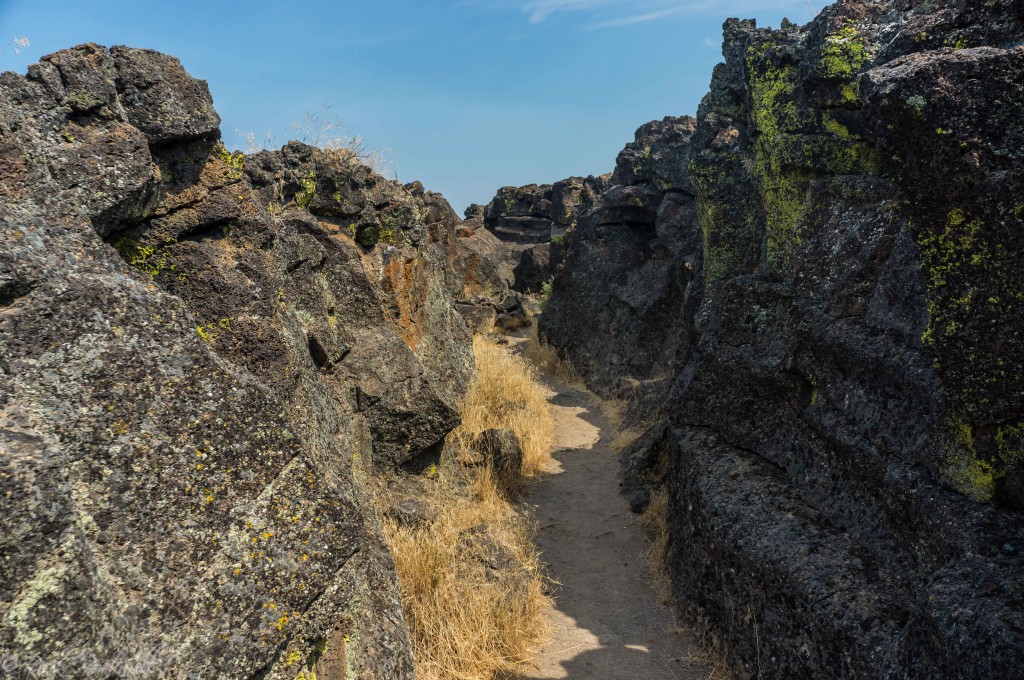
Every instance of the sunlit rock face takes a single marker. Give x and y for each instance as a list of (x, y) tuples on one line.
[(203, 358), (815, 290)]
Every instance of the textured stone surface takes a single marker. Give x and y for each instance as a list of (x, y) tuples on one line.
[(503, 453), (204, 358), (814, 289), (520, 236), (535, 268)]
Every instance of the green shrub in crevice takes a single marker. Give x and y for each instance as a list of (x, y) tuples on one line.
[(234, 161), (307, 190)]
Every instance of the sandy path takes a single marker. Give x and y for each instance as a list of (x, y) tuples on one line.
[(606, 622)]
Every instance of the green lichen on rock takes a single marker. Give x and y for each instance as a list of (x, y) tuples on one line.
[(775, 112), (971, 284), (949, 256), (842, 54), (794, 143), (392, 222), (308, 189), (1010, 444), (964, 470), (730, 228), (209, 333), (22, 614), (851, 154)]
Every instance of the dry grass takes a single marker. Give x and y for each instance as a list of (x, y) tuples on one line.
[(655, 523), (473, 589), (710, 654), (547, 359), (472, 585), (507, 395), (712, 662)]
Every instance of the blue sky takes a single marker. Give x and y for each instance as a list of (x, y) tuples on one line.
[(471, 95)]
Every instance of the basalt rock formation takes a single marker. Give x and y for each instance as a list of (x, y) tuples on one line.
[(205, 358), (813, 289), (533, 222)]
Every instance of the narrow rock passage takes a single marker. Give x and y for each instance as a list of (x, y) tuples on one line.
[(606, 622)]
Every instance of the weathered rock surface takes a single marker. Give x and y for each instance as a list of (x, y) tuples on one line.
[(204, 357), (526, 228), (814, 288), (502, 451), (536, 268)]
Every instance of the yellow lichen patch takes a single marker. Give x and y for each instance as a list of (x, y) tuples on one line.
[(235, 163), (148, 258), (842, 54), (210, 332), (963, 469), (1010, 444)]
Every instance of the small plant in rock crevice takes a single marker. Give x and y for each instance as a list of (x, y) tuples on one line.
[(546, 289)]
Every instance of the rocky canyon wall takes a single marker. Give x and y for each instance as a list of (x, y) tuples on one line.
[(813, 290), (205, 359)]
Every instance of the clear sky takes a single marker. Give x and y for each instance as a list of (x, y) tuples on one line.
[(471, 95)]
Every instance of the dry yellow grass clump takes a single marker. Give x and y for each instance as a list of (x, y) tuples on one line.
[(547, 359), (472, 586), (472, 582), (506, 394)]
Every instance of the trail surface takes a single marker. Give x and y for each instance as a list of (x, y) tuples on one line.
[(606, 622)]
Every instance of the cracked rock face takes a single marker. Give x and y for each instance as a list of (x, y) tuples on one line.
[(814, 290), (204, 356)]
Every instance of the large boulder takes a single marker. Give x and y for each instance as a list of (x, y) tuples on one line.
[(504, 454), (534, 269)]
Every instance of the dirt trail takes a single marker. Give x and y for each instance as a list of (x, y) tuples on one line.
[(606, 623)]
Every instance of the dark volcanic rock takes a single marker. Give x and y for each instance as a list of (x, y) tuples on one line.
[(486, 264), (161, 99), (814, 289), (631, 261), (536, 213), (203, 355), (504, 454), (529, 222), (534, 269)]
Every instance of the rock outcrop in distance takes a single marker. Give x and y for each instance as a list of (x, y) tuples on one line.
[(205, 357), (527, 227), (815, 290)]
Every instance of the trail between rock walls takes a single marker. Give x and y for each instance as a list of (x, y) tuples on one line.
[(606, 623)]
